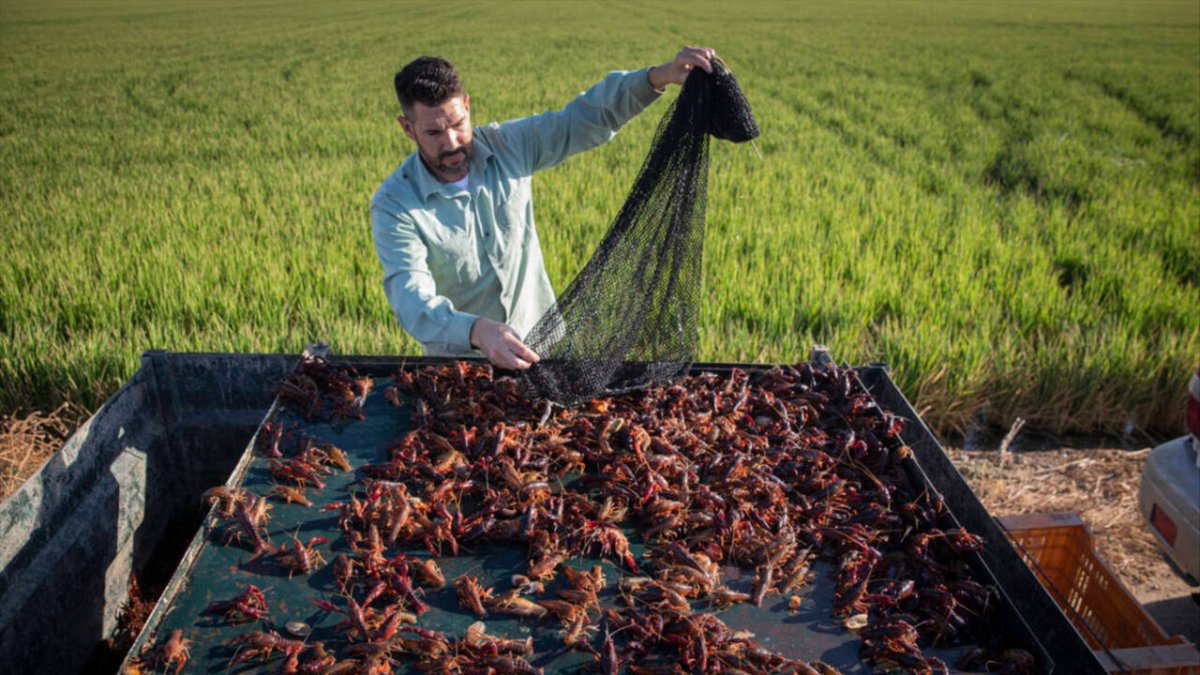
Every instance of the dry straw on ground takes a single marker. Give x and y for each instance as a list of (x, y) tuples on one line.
[(1100, 484), (27, 442)]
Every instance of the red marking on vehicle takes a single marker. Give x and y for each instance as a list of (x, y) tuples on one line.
[(1163, 523)]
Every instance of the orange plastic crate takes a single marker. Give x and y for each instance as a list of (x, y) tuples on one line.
[(1058, 547)]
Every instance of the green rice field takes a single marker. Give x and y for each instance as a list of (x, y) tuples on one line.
[(999, 199)]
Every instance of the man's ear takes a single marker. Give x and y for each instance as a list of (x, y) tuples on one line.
[(407, 125), (467, 103)]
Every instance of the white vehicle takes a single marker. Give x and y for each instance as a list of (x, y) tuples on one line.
[(1169, 498)]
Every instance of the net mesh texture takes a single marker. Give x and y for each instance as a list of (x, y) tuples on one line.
[(629, 319)]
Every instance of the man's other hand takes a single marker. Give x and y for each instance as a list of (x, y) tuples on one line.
[(677, 69), (501, 345)]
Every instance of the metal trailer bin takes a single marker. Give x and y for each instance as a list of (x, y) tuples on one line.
[(103, 504)]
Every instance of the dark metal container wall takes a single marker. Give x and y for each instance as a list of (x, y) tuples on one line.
[(97, 511), (101, 506), (1066, 648)]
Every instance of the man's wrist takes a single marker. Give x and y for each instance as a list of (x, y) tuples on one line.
[(654, 75), (461, 331), (471, 333)]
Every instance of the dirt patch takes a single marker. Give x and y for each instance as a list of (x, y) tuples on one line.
[(1101, 484)]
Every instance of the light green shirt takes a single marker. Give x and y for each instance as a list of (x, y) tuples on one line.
[(451, 255)]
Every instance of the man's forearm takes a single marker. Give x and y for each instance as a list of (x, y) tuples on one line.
[(589, 120), (431, 319)]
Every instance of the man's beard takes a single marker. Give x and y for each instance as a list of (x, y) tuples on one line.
[(439, 164)]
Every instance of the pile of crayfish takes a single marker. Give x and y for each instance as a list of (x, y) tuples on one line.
[(766, 471), (317, 387)]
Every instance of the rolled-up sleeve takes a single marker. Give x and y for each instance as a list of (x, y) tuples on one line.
[(410, 289), (591, 119)]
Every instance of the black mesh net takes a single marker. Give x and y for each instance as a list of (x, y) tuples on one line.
[(629, 318)]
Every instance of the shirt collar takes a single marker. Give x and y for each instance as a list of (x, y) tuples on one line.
[(427, 184)]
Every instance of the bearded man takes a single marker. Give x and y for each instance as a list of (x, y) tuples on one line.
[(453, 226)]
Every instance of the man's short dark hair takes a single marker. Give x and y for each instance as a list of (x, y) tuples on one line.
[(430, 80)]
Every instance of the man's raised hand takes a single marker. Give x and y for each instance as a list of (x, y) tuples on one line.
[(677, 69)]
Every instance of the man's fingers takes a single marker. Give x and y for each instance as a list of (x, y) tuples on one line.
[(522, 352), (676, 70), (507, 360), (513, 361), (511, 353), (697, 56)]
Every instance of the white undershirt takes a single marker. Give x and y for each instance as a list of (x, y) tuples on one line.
[(463, 183)]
